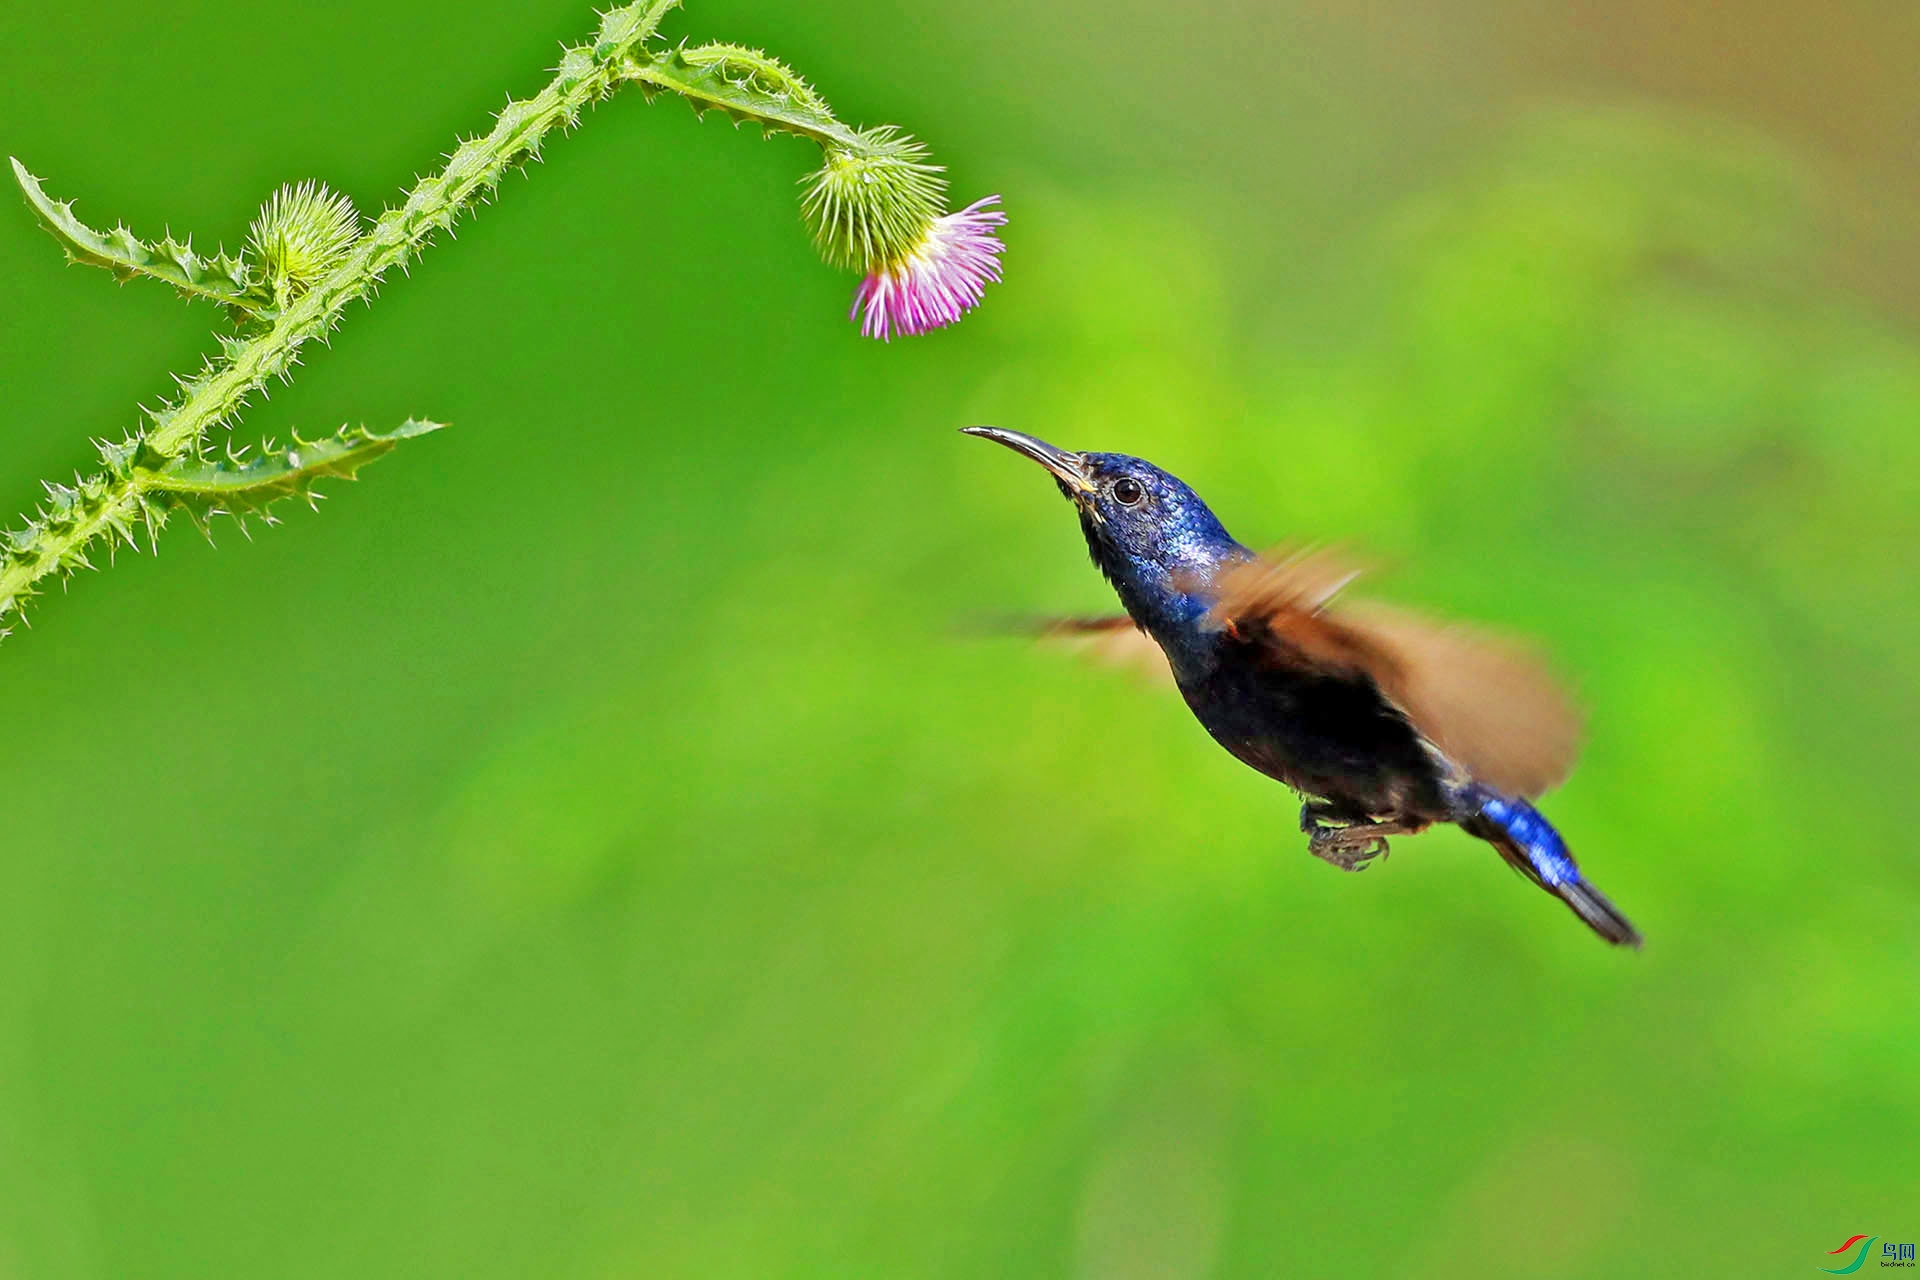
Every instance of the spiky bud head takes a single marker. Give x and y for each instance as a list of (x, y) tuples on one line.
[(303, 232), (875, 204)]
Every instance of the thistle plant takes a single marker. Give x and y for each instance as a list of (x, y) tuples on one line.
[(877, 205)]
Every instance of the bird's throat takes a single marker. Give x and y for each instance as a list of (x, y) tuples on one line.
[(1167, 599)]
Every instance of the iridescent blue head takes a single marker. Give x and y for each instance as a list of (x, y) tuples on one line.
[(1150, 534)]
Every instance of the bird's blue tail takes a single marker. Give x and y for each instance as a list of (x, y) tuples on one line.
[(1533, 848)]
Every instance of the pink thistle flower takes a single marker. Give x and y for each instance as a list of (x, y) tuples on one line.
[(938, 280)]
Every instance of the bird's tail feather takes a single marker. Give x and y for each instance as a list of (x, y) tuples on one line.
[(1533, 848)]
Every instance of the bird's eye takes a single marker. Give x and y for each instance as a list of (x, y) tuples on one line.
[(1127, 491)]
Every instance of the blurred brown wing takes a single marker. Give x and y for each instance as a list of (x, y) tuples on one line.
[(1115, 641), (1488, 703)]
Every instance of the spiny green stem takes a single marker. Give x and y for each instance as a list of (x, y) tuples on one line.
[(746, 85), (875, 195), (57, 542), (114, 501), (131, 496), (586, 74)]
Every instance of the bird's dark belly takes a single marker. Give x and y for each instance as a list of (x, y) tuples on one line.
[(1334, 739)]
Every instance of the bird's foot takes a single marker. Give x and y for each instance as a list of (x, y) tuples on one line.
[(1349, 843), (1348, 848)]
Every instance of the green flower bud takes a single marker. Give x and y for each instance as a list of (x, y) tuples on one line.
[(874, 205), (302, 233)]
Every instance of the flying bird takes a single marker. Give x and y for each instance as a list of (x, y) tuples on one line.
[(1384, 722)]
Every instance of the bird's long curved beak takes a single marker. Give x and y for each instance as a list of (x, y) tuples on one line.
[(1070, 469)]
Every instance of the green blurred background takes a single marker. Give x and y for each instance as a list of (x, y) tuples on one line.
[(588, 848)]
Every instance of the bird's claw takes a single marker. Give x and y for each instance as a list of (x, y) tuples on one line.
[(1348, 848), (1347, 842)]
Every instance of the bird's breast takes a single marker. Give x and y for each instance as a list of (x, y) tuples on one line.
[(1323, 738)]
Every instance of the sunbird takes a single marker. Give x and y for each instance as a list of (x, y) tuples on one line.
[(1383, 722)]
